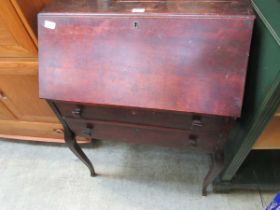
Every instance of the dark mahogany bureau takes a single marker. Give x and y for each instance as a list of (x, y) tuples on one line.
[(169, 73)]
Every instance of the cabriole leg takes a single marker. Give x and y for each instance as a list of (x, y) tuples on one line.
[(76, 149), (216, 168), (71, 141)]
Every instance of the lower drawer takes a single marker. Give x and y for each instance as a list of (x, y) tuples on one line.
[(140, 134)]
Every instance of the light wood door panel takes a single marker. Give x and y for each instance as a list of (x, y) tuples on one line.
[(21, 93), (22, 114), (15, 41), (28, 10)]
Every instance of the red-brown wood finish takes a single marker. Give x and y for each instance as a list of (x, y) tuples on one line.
[(196, 132), (147, 117), (201, 141), (185, 56), (169, 73), (152, 7)]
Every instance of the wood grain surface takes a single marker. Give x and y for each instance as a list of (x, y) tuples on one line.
[(185, 64)]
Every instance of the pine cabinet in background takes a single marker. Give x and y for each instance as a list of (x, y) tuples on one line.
[(22, 114)]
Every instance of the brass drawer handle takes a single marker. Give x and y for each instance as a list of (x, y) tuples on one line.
[(197, 121), (87, 132), (77, 112), (193, 140)]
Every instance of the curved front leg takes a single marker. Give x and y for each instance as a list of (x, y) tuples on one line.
[(70, 140), (76, 149), (216, 168)]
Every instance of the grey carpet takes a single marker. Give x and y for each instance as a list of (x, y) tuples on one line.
[(37, 176)]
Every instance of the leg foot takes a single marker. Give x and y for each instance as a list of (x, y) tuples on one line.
[(215, 169), (76, 149)]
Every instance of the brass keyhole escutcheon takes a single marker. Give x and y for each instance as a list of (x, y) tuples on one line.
[(135, 24)]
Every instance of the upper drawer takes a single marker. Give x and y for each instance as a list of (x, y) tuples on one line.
[(186, 64), (180, 121)]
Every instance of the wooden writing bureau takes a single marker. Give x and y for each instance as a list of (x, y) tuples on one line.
[(170, 73)]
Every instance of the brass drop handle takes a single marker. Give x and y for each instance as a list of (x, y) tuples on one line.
[(3, 96), (77, 112), (197, 121), (88, 131), (193, 140)]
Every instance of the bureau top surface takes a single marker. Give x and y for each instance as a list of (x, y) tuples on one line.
[(238, 8)]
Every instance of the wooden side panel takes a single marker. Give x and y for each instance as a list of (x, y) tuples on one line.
[(27, 10), (30, 9), (270, 138), (180, 64), (23, 115), (19, 85), (14, 39)]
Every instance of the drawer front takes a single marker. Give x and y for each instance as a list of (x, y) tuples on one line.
[(132, 133), (180, 64), (145, 117)]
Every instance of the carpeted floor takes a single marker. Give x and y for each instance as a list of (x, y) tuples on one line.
[(37, 176)]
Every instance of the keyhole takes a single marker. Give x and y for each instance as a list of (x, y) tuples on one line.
[(136, 24)]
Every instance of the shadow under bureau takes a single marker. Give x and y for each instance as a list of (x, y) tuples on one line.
[(169, 73)]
